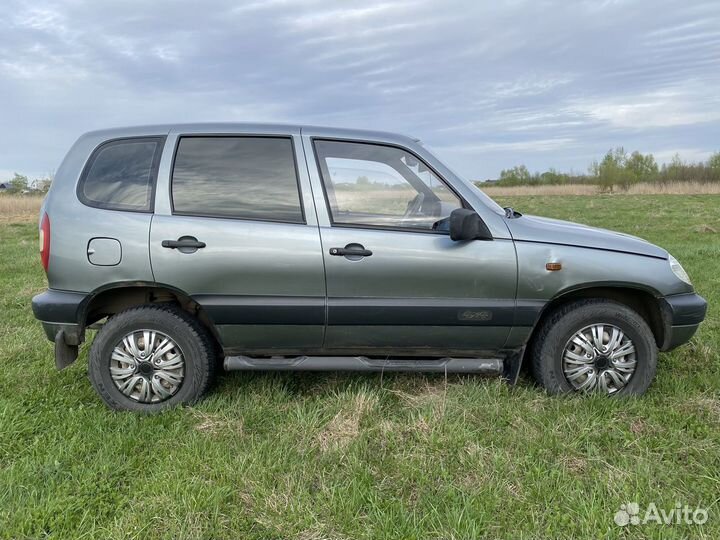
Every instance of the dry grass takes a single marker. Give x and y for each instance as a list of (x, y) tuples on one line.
[(672, 188), (213, 424), (19, 208), (25, 208), (345, 425)]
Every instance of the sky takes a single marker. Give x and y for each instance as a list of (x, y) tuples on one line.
[(485, 84)]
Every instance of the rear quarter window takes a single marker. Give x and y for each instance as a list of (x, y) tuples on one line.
[(120, 174)]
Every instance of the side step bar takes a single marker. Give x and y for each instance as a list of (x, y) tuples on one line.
[(484, 366)]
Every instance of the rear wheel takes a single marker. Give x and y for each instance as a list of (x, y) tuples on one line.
[(151, 357), (594, 346)]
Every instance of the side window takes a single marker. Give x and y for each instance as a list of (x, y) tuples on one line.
[(237, 177), (120, 175), (382, 186)]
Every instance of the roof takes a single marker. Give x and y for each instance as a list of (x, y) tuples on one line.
[(249, 128)]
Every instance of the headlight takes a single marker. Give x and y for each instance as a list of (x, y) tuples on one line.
[(678, 270)]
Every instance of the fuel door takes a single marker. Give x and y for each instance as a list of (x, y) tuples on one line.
[(104, 251)]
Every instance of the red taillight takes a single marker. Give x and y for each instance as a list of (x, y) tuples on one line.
[(45, 241)]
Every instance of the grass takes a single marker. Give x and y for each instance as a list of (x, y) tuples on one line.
[(310, 456)]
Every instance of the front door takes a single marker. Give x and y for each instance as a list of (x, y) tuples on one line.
[(234, 230), (396, 282)]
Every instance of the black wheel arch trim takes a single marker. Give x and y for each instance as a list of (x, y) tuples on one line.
[(579, 291)]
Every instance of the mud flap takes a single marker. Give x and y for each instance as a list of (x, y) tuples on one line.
[(64, 354), (512, 365)]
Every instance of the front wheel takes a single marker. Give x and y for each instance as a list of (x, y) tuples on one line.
[(594, 346), (151, 357)]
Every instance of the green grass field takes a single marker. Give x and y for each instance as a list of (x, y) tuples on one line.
[(312, 456)]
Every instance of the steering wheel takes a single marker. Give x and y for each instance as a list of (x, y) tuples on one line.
[(414, 206)]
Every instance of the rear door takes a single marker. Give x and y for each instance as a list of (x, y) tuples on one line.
[(396, 282), (235, 229)]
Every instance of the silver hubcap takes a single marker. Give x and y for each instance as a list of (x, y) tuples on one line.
[(600, 357), (147, 366)]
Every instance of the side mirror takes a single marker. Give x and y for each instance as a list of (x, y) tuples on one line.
[(467, 225)]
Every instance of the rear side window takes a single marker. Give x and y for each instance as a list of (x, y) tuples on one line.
[(237, 177), (120, 175)]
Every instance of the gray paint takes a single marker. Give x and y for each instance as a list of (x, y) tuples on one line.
[(555, 231), (273, 287), (104, 251), (586, 267)]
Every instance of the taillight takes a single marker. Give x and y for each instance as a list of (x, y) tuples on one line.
[(45, 241)]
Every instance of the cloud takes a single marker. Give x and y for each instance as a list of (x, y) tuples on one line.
[(688, 105), (489, 84), (536, 145)]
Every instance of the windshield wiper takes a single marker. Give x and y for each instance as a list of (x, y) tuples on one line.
[(511, 213)]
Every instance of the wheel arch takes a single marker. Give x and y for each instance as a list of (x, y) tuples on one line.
[(642, 300), (111, 299)]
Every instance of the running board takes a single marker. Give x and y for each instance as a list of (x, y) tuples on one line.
[(483, 366)]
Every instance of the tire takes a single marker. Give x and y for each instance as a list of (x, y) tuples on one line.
[(188, 340), (559, 370)]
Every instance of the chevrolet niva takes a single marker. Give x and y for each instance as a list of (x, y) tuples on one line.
[(272, 247)]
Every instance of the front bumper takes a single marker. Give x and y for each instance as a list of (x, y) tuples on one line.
[(682, 315)]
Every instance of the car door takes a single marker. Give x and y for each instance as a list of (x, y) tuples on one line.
[(235, 229), (396, 282)]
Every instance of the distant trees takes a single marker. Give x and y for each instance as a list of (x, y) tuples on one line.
[(21, 184), (516, 176), (643, 168), (521, 176), (18, 184), (619, 170), (714, 162)]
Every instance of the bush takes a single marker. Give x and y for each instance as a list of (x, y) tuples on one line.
[(18, 184), (517, 176)]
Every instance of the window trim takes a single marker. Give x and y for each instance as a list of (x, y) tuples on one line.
[(159, 140), (333, 223), (237, 136)]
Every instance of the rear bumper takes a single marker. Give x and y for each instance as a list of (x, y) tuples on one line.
[(682, 315), (58, 311)]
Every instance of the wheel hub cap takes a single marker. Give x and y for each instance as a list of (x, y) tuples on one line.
[(602, 362), (147, 366), (600, 357)]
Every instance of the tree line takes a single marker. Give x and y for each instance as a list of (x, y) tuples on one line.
[(22, 184), (619, 170)]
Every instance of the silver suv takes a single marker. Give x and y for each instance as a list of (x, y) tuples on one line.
[(270, 247)]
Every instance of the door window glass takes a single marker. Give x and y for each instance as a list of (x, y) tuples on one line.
[(382, 186), (237, 177)]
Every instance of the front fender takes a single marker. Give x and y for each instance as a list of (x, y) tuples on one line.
[(588, 267)]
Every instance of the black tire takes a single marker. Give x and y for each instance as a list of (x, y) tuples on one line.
[(198, 350), (559, 326)]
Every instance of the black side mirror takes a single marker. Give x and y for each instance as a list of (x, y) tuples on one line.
[(467, 225)]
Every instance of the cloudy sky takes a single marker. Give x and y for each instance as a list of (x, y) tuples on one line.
[(486, 84)]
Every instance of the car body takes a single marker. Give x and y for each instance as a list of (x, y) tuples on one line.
[(299, 247)]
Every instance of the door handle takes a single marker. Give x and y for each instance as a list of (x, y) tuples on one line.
[(185, 244), (351, 250)]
